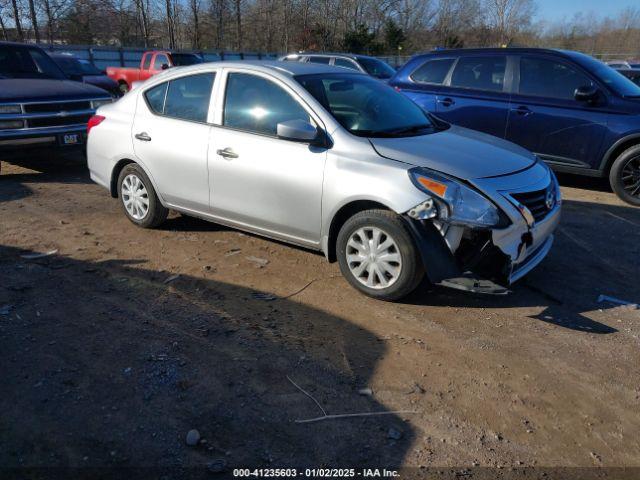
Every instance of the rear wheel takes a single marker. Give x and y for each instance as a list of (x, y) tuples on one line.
[(625, 176), (377, 255), (124, 88), (138, 198)]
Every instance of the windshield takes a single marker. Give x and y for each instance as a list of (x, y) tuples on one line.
[(74, 66), (183, 59), (26, 62), (367, 107), (376, 68), (613, 79)]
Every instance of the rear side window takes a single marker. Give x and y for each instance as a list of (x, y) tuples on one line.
[(433, 71), (147, 61), (188, 97), (343, 62), (155, 98), (323, 60), (257, 105), (549, 78), (480, 73)]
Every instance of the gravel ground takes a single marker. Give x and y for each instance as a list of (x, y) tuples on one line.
[(124, 340)]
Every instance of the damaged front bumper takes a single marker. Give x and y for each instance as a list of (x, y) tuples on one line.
[(487, 260)]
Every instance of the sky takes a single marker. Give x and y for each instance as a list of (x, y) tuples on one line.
[(558, 9)]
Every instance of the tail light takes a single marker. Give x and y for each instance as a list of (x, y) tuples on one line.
[(94, 121), (397, 89)]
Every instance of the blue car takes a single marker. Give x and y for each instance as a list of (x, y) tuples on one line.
[(576, 113)]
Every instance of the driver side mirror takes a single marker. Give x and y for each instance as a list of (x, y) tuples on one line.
[(297, 131), (586, 93), (164, 66)]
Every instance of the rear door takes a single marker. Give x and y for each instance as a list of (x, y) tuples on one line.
[(476, 93), (171, 138), (547, 119), (427, 80)]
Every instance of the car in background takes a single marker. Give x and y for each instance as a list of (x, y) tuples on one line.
[(619, 65), (573, 111), (632, 74), (333, 160), (151, 63), (39, 106), (360, 63), (81, 70)]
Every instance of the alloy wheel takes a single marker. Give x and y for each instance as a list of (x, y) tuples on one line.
[(135, 197), (373, 257), (630, 177)]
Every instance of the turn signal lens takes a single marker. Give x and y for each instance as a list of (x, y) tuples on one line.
[(94, 121), (436, 187)]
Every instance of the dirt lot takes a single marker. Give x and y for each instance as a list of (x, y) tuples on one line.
[(125, 339)]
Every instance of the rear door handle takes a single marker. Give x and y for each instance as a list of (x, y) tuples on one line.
[(446, 102), (522, 110), (144, 136), (227, 153)]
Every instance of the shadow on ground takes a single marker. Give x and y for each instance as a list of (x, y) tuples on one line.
[(106, 365)]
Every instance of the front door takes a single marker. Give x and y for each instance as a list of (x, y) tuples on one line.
[(171, 138), (546, 118), (257, 179), (477, 96)]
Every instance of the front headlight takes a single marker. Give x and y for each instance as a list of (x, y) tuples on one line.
[(98, 103), (10, 109), (457, 203)]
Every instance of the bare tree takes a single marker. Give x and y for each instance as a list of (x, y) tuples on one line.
[(16, 19), (194, 6), (507, 17), (34, 20)]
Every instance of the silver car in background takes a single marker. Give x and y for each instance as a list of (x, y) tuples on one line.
[(330, 160)]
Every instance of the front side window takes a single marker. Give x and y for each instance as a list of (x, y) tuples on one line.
[(480, 73), (185, 98), (433, 71), (367, 107), (257, 105), (543, 77), (160, 61), (343, 62)]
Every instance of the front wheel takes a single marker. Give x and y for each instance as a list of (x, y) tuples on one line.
[(378, 256), (625, 176), (138, 198)]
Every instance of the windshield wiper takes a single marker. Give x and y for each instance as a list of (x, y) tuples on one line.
[(409, 130)]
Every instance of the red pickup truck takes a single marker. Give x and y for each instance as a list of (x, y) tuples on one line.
[(152, 62)]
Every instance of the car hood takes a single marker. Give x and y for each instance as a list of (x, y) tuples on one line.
[(101, 81), (29, 90), (457, 151)]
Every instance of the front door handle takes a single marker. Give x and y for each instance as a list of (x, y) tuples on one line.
[(522, 110), (446, 102), (144, 136), (227, 153)]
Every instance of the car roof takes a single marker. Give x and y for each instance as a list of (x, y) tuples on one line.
[(353, 56), (507, 50), (286, 68)]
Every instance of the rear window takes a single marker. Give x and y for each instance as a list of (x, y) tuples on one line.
[(433, 71), (480, 73)]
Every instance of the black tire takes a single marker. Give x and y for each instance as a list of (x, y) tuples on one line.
[(391, 225), (624, 176), (123, 87), (156, 212)]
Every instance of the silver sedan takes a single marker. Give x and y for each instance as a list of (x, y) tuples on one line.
[(333, 161)]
